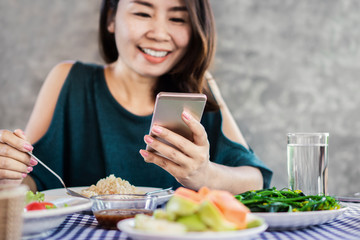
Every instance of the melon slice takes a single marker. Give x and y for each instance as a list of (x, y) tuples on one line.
[(212, 217), (233, 210), (188, 194), (224, 209), (181, 206)]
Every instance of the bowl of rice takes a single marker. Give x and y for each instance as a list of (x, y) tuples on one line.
[(110, 185), (115, 185)]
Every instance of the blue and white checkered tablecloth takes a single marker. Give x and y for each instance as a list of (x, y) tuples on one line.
[(346, 226)]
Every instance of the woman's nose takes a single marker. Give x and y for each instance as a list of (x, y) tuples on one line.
[(159, 30)]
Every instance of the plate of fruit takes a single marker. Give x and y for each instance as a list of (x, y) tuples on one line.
[(190, 215)]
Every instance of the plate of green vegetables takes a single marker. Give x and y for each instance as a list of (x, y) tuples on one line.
[(291, 209)]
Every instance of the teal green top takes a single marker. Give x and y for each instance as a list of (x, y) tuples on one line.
[(92, 136)]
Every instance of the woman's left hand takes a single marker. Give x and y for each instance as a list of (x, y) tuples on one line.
[(189, 161)]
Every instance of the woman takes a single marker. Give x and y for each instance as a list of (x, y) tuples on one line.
[(90, 121)]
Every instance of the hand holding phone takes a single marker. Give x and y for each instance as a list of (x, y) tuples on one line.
[(169, 107)]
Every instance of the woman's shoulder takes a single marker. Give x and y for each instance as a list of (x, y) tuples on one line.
[(46, 101), (63, 68), (57, 76), (72, 72), (50, 92)]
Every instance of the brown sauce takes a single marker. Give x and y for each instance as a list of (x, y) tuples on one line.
[(109, 218)]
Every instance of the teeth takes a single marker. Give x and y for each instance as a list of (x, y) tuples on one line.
[(155, 53)]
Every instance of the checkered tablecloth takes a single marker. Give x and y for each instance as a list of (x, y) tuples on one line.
[(346, 226)]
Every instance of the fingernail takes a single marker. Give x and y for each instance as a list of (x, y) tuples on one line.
[(29, 169), (148, 139), (28, 147), (187, 116), (144, 153), (24, 175), (33, 161), (157, 129)]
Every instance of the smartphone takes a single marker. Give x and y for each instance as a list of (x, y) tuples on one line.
[(169, 107)]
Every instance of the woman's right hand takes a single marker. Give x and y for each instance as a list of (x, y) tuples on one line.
[(15, 163)]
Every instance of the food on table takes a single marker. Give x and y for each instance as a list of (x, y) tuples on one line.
[(109, 185), (36, 202), (39, 206), (205, 210), (34, 197), (112, 208), (286, 200), (153, 225), (110, 217)]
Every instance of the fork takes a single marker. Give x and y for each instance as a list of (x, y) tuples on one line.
[(68, 191), (157, 191)]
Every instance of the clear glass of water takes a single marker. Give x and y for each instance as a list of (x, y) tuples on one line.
[(307, 161)]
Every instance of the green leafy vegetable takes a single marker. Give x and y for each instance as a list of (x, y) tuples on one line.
[(31, 197), (285, 200), (50, 206)]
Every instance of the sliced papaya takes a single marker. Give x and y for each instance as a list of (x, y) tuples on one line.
[(203, 192), (227, 210), (213, 218), (188, 194), (233, 210)]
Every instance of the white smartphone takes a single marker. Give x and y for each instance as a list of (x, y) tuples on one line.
[(169, 107)]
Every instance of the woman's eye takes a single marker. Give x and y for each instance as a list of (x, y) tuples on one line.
[(178, 20), (141, 14)]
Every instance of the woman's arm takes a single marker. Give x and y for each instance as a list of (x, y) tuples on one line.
[(229, 126), (249, 176), (190, 163), (44, 108)]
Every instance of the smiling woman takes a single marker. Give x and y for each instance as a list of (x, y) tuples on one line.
[(97, 117), (153, 36)]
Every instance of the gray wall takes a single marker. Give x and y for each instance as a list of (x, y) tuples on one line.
[(282, 65)]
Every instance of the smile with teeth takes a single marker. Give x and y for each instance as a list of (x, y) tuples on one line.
[(155, 53)]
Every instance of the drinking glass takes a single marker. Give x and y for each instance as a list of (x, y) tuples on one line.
[(12, 201), (307, 161)]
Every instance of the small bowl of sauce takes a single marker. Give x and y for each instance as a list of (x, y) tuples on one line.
[(110, 209), (109, 218)]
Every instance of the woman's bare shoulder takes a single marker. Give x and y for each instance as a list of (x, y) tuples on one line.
[(55, 80), (44, 107), (60, 70)]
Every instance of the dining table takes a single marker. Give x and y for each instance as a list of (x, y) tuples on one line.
[(83, 225)]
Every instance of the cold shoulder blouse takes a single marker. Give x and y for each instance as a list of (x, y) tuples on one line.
[(92, 136)]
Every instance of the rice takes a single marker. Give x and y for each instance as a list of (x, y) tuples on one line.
[(109, 185)]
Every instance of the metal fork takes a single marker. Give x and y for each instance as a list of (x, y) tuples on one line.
[(68, 191), (160, 190)]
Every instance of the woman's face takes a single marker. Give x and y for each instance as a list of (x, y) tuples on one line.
[(151, 35)]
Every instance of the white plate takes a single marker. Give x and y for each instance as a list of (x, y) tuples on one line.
[(163, 197), (295, 220), (39, 223), (127, 226)]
